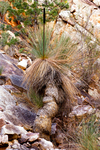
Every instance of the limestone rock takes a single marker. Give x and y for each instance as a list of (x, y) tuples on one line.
[(66, 16), (12, 129), (97, 2)]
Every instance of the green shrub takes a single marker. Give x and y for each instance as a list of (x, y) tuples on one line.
[(33, 13)]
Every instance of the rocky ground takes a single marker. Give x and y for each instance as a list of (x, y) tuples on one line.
[(17, 112)]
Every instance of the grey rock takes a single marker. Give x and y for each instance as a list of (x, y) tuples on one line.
[(23, 139), (11, 89), (23, 147), (17, 114), (22, 115), (6, 98), (9, 65), (17, 80), (53, 128)]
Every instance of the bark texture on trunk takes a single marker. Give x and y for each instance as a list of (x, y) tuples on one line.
[(42, 122)]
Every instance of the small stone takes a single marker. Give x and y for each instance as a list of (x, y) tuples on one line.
[(23, 147), (60, 137), (32, 136), (46, 144), (53, 128), (35, 144), (23, 138), (23, 64), (94, 93), (82, 110), (16, 145), (3, 139), (12, 129)]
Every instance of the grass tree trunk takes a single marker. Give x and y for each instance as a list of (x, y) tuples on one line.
[(42, 122)]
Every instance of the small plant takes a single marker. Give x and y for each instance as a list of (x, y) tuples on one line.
[(5, 27), (5, 40), (88, 138), (35, 98), (2, 27), (12, 41), (21, 50), (1, 70)]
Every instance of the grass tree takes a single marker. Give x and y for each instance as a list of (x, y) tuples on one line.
[(48, 75)]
